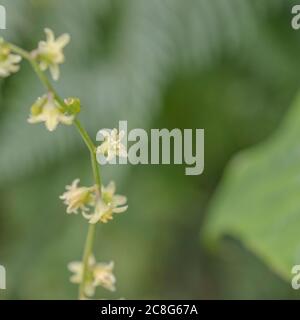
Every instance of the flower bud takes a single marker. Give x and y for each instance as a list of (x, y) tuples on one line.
[(73, 105)]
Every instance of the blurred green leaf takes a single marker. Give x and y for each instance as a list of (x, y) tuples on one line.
[(258, 201)]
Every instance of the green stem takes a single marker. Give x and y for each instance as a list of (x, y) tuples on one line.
[(26, 55), (85, 136), (88, 248)]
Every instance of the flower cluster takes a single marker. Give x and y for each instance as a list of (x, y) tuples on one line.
[(95, 203), (97, 274), (107, 205), (47, 109), (49, 54), (94, 208)]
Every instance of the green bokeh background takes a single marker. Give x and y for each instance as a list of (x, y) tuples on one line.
[(228, 66)]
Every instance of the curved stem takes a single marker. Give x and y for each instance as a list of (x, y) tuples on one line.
[(88, 248), (26, 55), (85, 136)]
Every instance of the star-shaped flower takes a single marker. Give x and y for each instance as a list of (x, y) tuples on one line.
[(78, 197), (50, 52), (98, 274), (46, 109), (107, 205)]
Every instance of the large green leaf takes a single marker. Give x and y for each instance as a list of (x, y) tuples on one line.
[(258, 201)]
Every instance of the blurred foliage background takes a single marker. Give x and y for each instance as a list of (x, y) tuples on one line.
[(228, 66)]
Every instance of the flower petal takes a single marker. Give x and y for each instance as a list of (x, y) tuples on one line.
[(63, 40), (120, 209), (49, 34), (111, 188), (119, 200)]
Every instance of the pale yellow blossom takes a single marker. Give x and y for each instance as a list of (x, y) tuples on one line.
[(8, 61), (98, 274), (78, 197), (107, 205), (46, 109), (50, 52)]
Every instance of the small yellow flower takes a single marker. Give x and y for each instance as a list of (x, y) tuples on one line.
[(112, 145), (50, 52), (103, 276), (78, 197), (46, 109), (8, 61), (98, 274), (107, 205)]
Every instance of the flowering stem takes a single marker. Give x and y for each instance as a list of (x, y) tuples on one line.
[(86, 138), (85, 259), (26, 55), (91, 231), (90, 145)]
